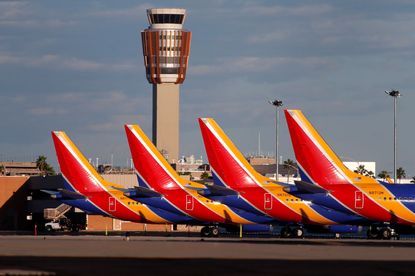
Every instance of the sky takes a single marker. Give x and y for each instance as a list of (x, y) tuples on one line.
[(77, 66)]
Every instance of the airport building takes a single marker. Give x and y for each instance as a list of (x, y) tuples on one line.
[(166, 48), (18, 168)]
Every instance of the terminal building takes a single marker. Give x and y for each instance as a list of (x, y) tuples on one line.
[(19, 168)]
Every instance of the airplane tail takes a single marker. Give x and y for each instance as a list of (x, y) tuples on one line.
[(78, 173), (229, 166), (152, 169), (318, 163)]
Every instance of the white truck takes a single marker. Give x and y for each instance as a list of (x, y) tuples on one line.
[(62, 224)]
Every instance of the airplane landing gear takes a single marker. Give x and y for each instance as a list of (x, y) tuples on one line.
[(381, 233), (214, 231), (296, 232), (386, 234), (209, 231)]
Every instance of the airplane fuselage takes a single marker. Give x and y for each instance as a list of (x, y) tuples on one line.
[(393, 203)]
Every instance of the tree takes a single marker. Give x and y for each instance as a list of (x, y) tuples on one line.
[(362, 170), (370, 174), (204, 176), (43, 166), (289, 165), (384, 175), (413, 179), (400, 173)]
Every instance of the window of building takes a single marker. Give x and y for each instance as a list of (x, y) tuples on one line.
[(167, 18), (169, 70)]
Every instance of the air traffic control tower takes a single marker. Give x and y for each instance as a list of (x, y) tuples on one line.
[(166, 47)]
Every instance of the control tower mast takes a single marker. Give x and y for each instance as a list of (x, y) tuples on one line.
[(166, 47)]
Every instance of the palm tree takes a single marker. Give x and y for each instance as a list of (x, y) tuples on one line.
[(370, 174), (400, 173), (361, 170), (204, 176), (289, 165), (43, 166), (384, 175)]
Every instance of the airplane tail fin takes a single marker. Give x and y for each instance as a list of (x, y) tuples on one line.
[(318, 163), (152, 169), (78, 173), (229, 166)]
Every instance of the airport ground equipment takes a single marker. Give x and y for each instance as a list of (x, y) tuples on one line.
[(56, 213)]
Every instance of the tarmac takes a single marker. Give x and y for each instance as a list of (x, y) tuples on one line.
[(120, 255)]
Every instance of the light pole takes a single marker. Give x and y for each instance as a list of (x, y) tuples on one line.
[(276, 103), (395, 94), (288, 166)]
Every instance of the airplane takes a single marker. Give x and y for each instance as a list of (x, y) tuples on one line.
[(87, 190), (388, 206), (256, 192), (178, 195)]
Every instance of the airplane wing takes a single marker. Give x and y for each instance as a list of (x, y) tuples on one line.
[(138, 192), (213, 190), (305, 187), (63, 194)]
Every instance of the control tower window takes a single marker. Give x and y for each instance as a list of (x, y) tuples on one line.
[(167, 18)]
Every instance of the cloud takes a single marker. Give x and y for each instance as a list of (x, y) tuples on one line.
[(13, 9), (134, 12), (367, 33), (24, 14), (70, 63), (249, 64), (37, 23), (46, 111), (267, 37), (100, 102), (86, 112), (344, 31), (300, 10)]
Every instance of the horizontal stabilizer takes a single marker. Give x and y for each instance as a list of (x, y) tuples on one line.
[(307, 187), (63, 194), (138, 192), (213, 190)]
